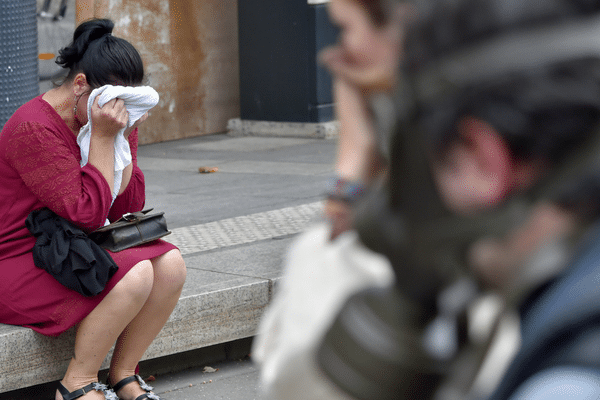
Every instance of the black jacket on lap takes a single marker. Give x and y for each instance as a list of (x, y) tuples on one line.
[(66, 253)]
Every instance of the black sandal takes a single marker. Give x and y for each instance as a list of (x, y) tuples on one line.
[(66, 395), (143, 385)]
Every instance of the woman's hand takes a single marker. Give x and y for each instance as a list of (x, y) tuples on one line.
[(110, 119), (367, 55), (135, 125)]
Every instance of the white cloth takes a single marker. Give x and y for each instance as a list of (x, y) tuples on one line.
[(319, 276), (138, 100)]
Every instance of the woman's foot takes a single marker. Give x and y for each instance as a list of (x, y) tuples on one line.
[(133, 388), (90, 391)]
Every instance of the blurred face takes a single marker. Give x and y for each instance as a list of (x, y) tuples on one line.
[(367, 54)]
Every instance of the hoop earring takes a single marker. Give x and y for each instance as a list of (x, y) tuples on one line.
[(76, 104)]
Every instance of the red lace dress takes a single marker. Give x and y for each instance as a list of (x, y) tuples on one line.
[(39, 167)]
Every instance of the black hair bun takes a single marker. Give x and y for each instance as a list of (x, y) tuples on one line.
[(104, 59), (85, 34)]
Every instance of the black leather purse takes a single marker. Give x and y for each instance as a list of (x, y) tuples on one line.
[(131, 230)]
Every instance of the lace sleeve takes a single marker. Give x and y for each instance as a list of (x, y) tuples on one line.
[(49, 167)]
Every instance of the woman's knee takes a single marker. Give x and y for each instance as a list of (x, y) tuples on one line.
[(170, 269), (137, 282)]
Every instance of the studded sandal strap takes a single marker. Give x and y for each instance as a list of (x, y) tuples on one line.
[(149, 395), (143, 385), (124, 382), (66, 395)]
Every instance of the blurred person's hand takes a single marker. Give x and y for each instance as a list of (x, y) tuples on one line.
[(367, 54)]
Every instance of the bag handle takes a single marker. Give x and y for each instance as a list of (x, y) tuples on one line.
[(134, 216)]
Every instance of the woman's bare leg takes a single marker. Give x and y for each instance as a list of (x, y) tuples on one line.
[(169, 277), (100, 329)]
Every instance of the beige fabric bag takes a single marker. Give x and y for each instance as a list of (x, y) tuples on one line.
[(319, 276)]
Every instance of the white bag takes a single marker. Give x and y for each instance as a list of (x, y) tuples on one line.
[(318, 278)]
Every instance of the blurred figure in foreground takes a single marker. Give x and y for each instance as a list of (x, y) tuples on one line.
[(463, 262)]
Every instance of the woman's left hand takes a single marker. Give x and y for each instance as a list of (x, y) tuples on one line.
[(135, 125)]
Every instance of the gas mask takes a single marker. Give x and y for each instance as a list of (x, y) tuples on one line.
[(403, 342)]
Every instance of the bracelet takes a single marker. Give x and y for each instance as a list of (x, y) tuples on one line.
[(345, 190)]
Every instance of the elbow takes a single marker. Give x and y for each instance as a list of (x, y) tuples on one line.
[(89, 221)]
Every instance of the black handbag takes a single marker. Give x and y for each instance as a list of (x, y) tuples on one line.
[(131, 230)]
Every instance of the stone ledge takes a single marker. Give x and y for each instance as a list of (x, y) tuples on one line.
[(28, 358), (320, 130)]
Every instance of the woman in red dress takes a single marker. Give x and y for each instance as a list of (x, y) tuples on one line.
[(40, 167)]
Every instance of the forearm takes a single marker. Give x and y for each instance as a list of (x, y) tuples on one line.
[(102, 156), (358, 160), (357, 153)]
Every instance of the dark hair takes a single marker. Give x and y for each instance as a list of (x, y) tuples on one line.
[(102, 57), (447, 26), (542, 113)]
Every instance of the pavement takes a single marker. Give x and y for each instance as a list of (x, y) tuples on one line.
[(232, 380), (226, 380)]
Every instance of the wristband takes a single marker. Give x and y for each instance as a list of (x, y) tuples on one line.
[(345, 190)]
